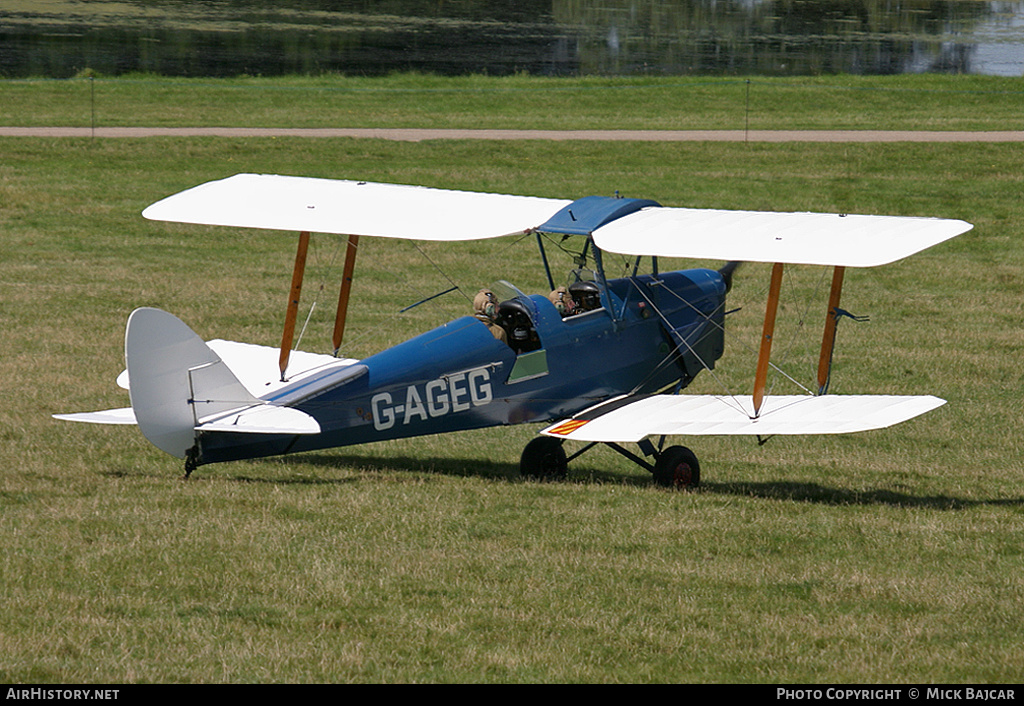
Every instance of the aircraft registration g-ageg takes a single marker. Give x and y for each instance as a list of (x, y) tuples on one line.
[(601, 361)]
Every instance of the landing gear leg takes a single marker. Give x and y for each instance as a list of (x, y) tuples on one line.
[(677, 467), (544, 459)]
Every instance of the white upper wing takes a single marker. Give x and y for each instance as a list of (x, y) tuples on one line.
[(759, 236), (354, 208), (398, 211)]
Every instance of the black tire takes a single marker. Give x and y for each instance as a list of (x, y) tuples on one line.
[(544, 459), (677, 467)]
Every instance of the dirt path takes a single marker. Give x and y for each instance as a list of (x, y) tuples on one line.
[(418, 135)]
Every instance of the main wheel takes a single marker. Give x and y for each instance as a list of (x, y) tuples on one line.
[(544, 459), (677, 467)]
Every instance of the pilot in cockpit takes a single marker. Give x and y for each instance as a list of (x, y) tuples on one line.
[(485, 307), (563, 302)]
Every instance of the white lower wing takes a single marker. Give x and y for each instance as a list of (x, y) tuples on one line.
[(710, 415)]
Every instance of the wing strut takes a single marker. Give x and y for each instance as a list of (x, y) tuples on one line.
[(761, 375), (828, 339), (293, 302), (346, 289)]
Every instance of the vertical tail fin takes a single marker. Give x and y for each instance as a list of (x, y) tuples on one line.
[(176, 380)]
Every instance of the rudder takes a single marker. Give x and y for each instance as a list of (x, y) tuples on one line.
[(175, 380)]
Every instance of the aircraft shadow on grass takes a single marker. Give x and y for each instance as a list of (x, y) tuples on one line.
[(802, 492), (825, 495), (440, 465)]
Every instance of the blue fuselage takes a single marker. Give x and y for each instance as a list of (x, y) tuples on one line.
[(652, 332)]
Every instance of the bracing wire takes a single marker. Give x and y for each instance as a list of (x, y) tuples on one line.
[(777, 367), (683, 342), (798, 326), (420, 298), (323, 283), (442, 272)]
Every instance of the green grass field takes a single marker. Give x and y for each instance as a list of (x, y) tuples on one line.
[(886, 557), (911, 102)]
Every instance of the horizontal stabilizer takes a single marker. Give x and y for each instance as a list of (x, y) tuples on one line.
[(124, 415), (256, 367), (179, 385), (353, 208), (261, 419), (710, 415), (761, 236)]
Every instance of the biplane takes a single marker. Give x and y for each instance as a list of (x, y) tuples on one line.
[(605, 363)]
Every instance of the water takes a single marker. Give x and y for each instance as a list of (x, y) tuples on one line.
[(61, 38)]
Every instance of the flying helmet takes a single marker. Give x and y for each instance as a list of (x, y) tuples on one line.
[(586, 295)]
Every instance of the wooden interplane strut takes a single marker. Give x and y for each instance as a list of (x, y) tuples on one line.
[(346, 290), (293, 302), (828, 339), (768, 333)]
